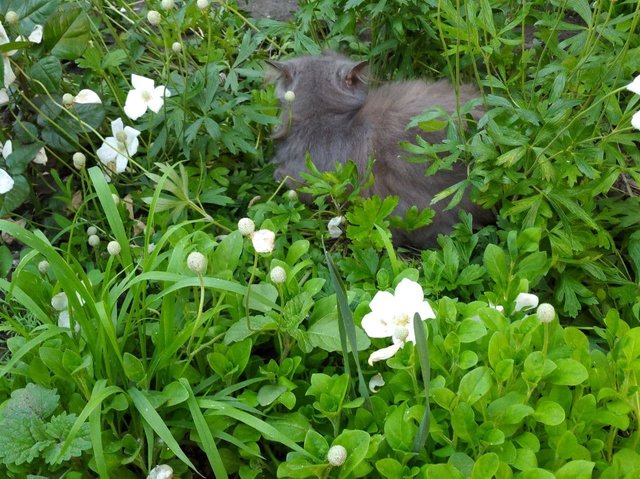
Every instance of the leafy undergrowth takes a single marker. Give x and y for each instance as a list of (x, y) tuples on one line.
[(168, 309)]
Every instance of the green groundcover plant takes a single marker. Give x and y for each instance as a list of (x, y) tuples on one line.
[(169, 311)]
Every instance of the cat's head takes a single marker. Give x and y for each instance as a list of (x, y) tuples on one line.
[(326, 84)]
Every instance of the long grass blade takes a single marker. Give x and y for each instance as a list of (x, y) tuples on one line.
[(422, 347)]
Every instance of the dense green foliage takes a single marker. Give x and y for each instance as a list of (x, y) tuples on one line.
[(232, 371)]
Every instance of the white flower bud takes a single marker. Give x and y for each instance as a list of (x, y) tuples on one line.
[(67, 99), (337, 455), (202, 4), (263, 241), (11, 17), (162, 471), (196, 262), (59, 302), (546, 313), (43, 266), (526, 301), (176, 47), (289, 96), (114, 248), (246, 226), (154, 17), (291, 195), (278, 275), (79, 160), (167, 4), (92, 230), (94, 240), (151, 248), (376, 382), (333, 226)]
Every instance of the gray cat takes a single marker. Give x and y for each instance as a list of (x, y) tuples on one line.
[(336, 118)]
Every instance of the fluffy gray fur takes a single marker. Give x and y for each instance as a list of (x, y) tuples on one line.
[(336, 118)]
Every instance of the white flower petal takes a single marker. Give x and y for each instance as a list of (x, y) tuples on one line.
[(384, 302), (9, 76), (409, 293), (132, 142), (376, 325), (36, 34), (526, 301), (135, 106), (263, 241), (376, 382), (384, 353), (3, 35), (41, 157), (634, 86), (142, 83), (116, 126), (161, 91), (87, 96), (7, 149), (155, 103), (4, 96), (635, 120), (425, 311), (108, 151), (121, 163), (6, 182)]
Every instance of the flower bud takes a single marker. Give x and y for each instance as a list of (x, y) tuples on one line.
[(196, 262), (278, 275), (291, 195), (202, 4), (43, 266), (154, 17), (11, 17), (92, 230), (176, 47), (263, 241), (337, 455), (79, 160), (59, 302), (546, 313), (94, 240), (289, 96), (167, 4), (67, 99), (151, 248), (246, 226), (333, 226), (375, 383), (114, 248), (162, 471)]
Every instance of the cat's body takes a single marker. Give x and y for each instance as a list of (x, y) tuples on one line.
[(335, 118)]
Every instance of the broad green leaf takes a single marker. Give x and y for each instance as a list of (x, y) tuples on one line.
[(568, 373), (579, 469), (67, 33), (549, 413), (46, 75), (475, 384), (485, 466), (14, 198)]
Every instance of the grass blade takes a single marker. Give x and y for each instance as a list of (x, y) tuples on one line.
[(422, 347)]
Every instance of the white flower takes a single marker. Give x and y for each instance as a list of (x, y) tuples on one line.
[(167, 4), (93, 240), (337, 455), (161, 472), (263, 241), (9, 76), (526, 301), (43, 266), (11, 17), (196, 262), (176, 47), (202, 4), (278, 275), (546, 313), (117, 149), (289, 96), (41, 157), (635, 120), (59, 302), (36, 34), (86, 96), (4, 96), (246, 226), (391, 316), (154, 17), (634, 86), (114, 248), (376, 382), (79, 160), (67, 99), (498, 308), (334, 226), (7, 149), (144, 95), (6, 182)]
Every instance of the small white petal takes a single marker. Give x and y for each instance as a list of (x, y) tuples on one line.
[(3, 35), (635, 120), (116, 126), (36, 34), (162, 471), (7, 149), (9, 76), (6, 182), (4, 96), (59, 302), (162, 91), (41, 157), (108, 151), (135, 106), (526, 301), (376, 382), (155, 103), (384, 353), (376, 325), (634, 86), (64, 321), (121, 163), (409, 292), (87, 96), (142, 83)]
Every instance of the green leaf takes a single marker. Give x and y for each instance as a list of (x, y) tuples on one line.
[(399, 430), (579, 469), (58, 429), (31, 401), (486, 466), (67, 33), (495, 261), (549, 413), (475, 384), (30, 12), (471, 330), (568, 373), (357, 444), (268, 393), (133, 368), (322, 334), (46, 75)]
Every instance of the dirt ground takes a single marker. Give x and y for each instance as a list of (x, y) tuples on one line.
[(276, 9)]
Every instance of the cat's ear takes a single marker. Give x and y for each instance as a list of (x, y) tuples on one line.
[(358, 74), (275, 71)]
